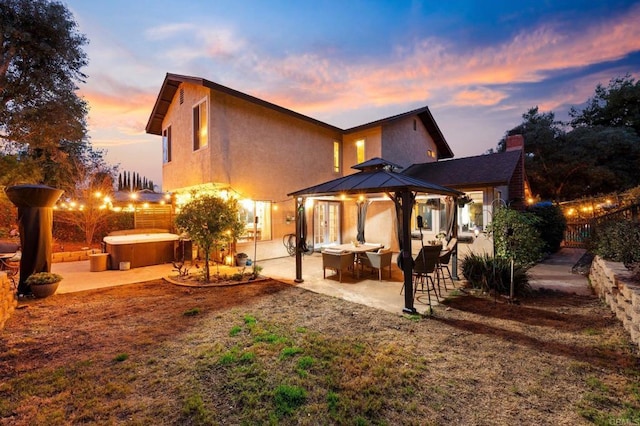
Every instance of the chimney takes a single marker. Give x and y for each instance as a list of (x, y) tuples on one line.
[(515, 142)]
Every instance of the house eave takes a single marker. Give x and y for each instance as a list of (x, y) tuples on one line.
[(173, 81)]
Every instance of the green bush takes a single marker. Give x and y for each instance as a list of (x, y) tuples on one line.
[(490, 274), (516, 236), (551, 225), (617, 240)]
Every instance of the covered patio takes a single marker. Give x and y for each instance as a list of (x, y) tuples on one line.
[(377, 178)]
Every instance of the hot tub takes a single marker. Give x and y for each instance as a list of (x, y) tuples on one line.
[(140, 249)]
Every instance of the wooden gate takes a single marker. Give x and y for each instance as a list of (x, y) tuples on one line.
[(577, 234)]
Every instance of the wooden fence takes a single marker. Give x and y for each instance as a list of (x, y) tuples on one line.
[(578, 232)]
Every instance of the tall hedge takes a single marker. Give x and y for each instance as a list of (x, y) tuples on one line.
[(551, 225)]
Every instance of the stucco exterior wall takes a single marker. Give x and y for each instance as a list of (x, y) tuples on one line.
[(372, 147), (264, 153), (261, 154), (187, 168), (403, 145)]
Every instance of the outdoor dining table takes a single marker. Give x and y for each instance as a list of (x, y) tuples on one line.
[(360, 248), (357, 249)]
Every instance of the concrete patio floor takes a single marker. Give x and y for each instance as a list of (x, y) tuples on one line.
[(366, 289), (554, 274)]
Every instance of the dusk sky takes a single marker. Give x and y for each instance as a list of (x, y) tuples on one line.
[(477, 65)]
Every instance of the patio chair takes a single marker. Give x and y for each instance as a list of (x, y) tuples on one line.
[(377, 261), (443, 268), (443, 263), (338, 261), (424, 267), (10, 261)]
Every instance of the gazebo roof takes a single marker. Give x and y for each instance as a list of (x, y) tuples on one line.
[(376, 176)]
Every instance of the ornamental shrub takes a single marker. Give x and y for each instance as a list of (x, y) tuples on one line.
[(551, 225), (617, 240), (43, 278), (491, 274), (515, 235)]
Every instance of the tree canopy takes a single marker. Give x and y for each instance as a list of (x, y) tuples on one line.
[(617, 105), (41, 115), (597, 152)]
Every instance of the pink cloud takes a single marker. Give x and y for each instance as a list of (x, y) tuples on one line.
[(432, 67)]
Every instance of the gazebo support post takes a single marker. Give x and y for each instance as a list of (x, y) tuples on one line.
[(454, 255), (299, 223), (407, 259)]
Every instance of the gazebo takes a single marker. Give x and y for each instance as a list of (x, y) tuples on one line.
[(376, 176)]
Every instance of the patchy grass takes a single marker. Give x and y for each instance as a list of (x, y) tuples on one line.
[(270, 353)]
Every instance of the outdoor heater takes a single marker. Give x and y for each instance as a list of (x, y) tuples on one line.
[(35, 221)]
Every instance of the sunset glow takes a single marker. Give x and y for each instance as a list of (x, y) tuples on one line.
[(481, 64)]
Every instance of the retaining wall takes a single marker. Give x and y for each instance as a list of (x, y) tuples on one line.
[(73, 256), (8, 300), (612, 282)]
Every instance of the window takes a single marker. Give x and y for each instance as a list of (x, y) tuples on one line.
[(166, 145), (336, 156), (428, 209), (470, 215), (200, 131), (431, 153), (249, 210), (360, 151)]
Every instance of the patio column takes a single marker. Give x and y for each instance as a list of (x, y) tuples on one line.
[(405, 251), (300, 218), (454, 255)]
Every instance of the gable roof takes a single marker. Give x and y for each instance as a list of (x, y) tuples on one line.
[(482, 170), (173, 81), (444, 151), (375, 176)]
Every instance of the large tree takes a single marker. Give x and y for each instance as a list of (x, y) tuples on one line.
[(41, 64), (617, 105), (601, 154)]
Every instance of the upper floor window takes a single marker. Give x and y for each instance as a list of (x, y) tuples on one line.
[(431, 153), (360, 151), (336, 156), (166, 145), (200, 126)]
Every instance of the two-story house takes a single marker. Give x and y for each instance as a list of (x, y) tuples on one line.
[(215, 138)]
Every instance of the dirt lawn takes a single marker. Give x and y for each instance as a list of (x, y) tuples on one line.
[(156, 353)]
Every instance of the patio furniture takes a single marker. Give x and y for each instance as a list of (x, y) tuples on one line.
[(10, 264), (357, 249), (376, 261), (425, 265), (338, 260), (443, 263)]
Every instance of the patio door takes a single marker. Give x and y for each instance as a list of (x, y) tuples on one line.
[(326, 223)]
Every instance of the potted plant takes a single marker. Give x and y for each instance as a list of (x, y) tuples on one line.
[(43, 284), (241, 259)]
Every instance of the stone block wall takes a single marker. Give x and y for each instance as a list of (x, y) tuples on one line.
[(72, 256), (8, 300), (612, 282)]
